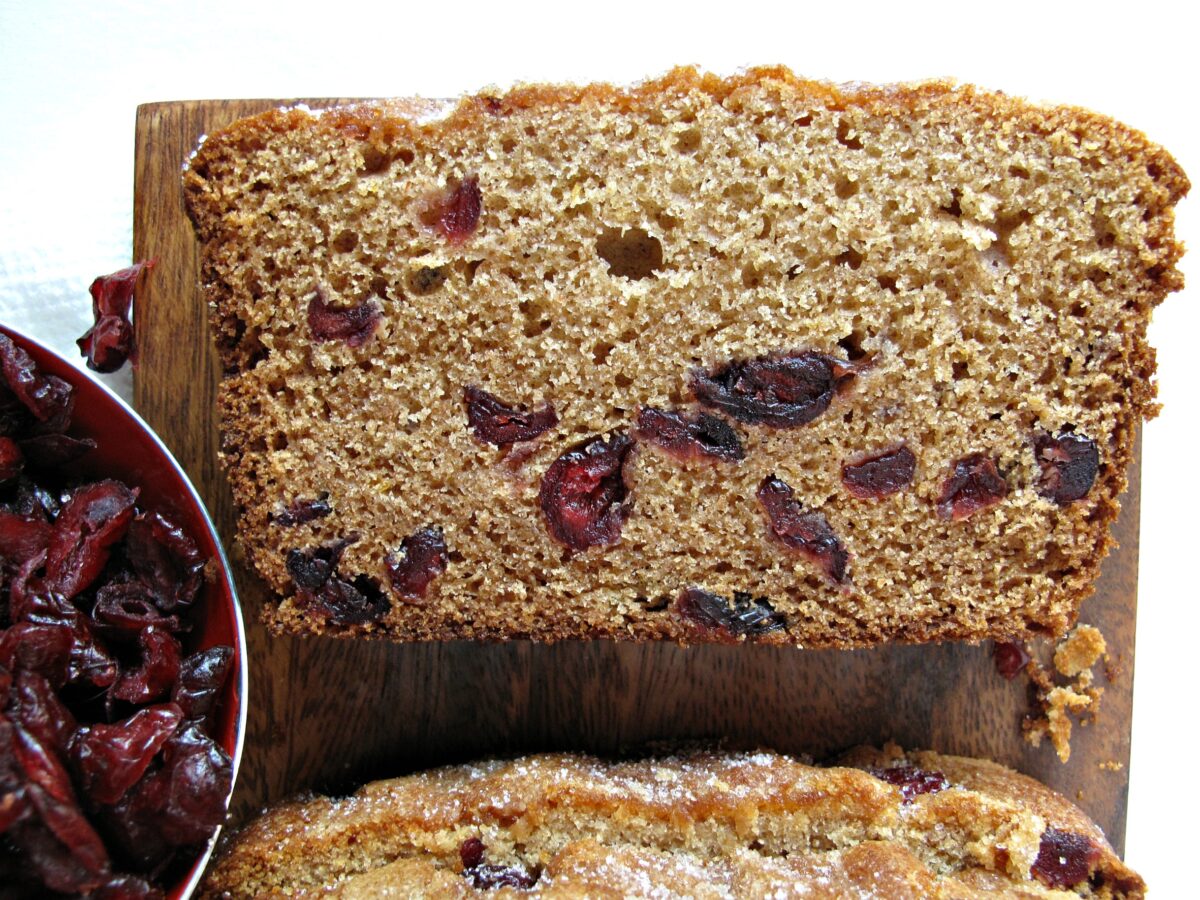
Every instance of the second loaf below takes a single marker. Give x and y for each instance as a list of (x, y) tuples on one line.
[(707, 359), (700, 825)]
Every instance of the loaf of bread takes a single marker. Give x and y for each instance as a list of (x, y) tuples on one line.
[(705, 824), (745, 358)]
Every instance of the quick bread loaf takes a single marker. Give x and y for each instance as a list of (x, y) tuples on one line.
[(884, 824), (745, 358)]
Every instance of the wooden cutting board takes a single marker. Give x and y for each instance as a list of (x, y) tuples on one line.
[(327, 714)]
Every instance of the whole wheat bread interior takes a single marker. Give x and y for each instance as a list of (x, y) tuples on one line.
[(745, 358)]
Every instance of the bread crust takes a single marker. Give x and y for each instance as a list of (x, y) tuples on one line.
[(1046, 601), (707, 821)]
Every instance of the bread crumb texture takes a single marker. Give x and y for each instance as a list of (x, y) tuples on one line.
[(746, 358), (882, 823)]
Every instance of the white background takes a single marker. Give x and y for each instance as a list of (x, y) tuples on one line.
[(71, 75)]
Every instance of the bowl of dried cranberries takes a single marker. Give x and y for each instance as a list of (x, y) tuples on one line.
[(122, 651)]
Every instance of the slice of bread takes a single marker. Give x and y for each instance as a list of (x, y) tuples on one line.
[(703, 824), (751, 358)]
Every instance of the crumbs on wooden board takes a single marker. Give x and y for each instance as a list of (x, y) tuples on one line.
[(1065, 693)]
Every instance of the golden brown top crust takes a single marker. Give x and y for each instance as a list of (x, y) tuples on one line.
[(367, 119), (702, 824)]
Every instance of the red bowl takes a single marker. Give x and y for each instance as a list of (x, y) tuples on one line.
[(127, 449)]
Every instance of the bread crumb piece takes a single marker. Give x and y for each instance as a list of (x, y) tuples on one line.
[(1112, 766), (1057, 703), (1079, 651)]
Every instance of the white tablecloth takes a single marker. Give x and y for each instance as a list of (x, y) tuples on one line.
[(73, 73)]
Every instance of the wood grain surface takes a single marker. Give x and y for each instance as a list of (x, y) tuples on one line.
[(327, 714)]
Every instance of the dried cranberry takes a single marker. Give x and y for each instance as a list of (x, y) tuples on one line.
[(110, 759), (584, 497), (66, 856), (24, 586), (1064, 858), (23, 537), (157, 673), (912, 781), (95, 518), (12, 460), (34, 647), (457, 213), (14, 799), (1069, 465), (166, 561), (192, 786), (48, 789), (1010, 658), (485, 876), (201, 677), (109, 342), (311, 569), (47, 397), (132, 824), (112, 295), (359, 601), (15, 419), (303, 510), (47, 451), (745, 615), (126, 608), (356, 602), (422, 558), (780, 391), (88, 661), (495, 422), (15, 807), (353, 325), (37, 708), (42, 766), (802, 530), (689, 437), (471, 852), (175, 805), (31, 498), (881, 474), (975, 484)]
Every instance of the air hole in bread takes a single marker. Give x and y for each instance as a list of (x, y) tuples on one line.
[(632, 253), (851, 258), (601, 351), (374, 161), (344, 241), (852, 345), (954, 207), (379, 286), (846, 136)]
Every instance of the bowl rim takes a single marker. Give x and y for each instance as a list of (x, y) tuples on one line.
[(186, 886)]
